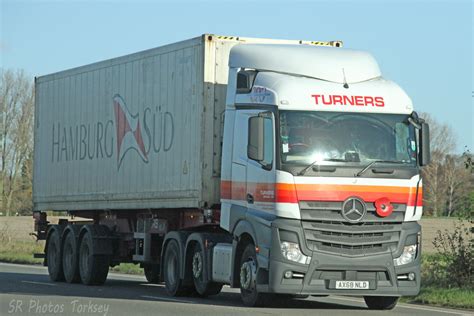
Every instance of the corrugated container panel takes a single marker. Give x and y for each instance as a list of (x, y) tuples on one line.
[(127, 133)]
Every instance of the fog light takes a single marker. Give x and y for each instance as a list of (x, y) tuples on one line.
[(288, 274), (411, 276), (408, 255)]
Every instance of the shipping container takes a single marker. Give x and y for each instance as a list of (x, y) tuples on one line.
[(135, 132)]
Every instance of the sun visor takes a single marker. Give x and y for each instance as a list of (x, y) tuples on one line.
[(326, 63)]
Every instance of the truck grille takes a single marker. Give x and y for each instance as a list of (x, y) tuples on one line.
[(326, 230)]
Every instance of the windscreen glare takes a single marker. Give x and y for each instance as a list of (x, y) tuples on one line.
[(349, 138)]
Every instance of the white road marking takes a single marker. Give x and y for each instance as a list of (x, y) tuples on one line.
[(166, 299), (412, 306), (40, 283)]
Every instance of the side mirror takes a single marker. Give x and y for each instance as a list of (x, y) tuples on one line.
[(255, 141), (424, 144)]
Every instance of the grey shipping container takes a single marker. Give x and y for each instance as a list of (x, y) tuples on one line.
[(135, 132)]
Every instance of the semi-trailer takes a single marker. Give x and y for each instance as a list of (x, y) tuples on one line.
[(278, 167)]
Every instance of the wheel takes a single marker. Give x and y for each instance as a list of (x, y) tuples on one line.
[(152, 273), (248, 278), (54, 260), (70, 259), (171, 263), (93, 269), (203, 287), (381, 302)]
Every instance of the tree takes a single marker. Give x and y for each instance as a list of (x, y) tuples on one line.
[(16, 137), (447, 180), (442, 142), (456, 178)]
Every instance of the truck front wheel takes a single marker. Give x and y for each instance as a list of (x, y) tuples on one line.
[(70, 260), (171, 265), (54, 259), (248, 278), (203, 287), (93, 269), (381, 302)]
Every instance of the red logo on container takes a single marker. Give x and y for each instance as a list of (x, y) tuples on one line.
[(129, 136)]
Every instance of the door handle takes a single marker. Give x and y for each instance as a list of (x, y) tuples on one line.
[(249, 198)]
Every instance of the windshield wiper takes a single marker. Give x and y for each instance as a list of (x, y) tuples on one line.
[(374, 162), (303, 171)]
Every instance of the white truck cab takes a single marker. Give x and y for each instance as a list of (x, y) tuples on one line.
[(320, 168)]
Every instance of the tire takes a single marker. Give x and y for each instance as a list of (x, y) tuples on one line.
[(54, 258), (70, 259), (152, 273), (93, 269), (381, 302), (248, 273), (171, 265), (203, 287)]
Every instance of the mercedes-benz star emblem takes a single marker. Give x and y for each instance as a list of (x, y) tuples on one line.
[(353, 210)]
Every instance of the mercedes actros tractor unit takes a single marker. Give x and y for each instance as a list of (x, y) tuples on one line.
[(283, 168)]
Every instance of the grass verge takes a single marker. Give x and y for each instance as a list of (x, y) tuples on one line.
[(435, 291), (127, 268), (455, 297), (21, 252)]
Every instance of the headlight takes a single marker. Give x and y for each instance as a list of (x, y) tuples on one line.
[(408, 255), (292, 252)]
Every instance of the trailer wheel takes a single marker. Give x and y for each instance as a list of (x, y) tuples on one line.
[(93, 269), (203, 287), (248, 278), (171, 264), (70, 259), (152, 273), (381, 302), (54, 259)]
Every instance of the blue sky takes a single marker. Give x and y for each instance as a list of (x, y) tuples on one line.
[(425, 46)]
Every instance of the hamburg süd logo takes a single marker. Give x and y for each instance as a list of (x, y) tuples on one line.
[(129, 136)]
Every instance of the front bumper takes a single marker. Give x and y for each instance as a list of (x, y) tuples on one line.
[(320, 276)]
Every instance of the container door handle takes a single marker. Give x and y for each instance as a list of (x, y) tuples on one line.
[(249, 198)]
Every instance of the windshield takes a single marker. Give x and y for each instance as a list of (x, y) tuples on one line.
[(350, 138)]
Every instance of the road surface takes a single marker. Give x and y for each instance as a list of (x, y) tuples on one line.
[(27, 290)]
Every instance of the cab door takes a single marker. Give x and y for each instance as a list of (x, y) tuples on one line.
[(253, 178), (239, 161)]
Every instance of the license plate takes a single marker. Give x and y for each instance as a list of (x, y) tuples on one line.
[(352, 285)]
